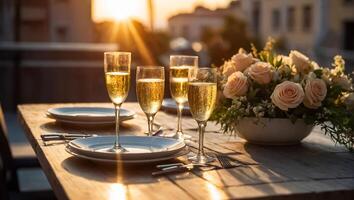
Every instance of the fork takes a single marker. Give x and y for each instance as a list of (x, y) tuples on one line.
[(225, 162)]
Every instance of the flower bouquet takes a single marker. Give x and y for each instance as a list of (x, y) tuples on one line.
[(285, 89)]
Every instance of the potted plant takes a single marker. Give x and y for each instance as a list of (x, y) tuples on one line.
[(268, 98)]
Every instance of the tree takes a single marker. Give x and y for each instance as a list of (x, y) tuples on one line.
[(224, 43)]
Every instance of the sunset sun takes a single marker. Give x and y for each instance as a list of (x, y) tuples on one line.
[(119, 10)]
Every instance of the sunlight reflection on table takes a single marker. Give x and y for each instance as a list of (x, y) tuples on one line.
[(214, 193), (117, 191)]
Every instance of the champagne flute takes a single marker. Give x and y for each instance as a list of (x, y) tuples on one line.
[(179, 66), (202, 91), (150, 85), (117, 75)]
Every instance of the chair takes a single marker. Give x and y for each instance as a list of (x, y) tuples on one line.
[(10, 166)]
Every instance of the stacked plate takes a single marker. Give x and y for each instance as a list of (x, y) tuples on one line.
[(140, 149), (88, 115)]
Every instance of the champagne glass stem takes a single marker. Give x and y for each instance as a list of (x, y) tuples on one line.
[(150, 119), (117, 145), (179, 117), (201, 129)]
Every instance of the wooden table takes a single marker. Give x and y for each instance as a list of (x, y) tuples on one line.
[(315, 169)]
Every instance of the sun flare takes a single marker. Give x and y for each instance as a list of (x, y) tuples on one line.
[(119, 10)]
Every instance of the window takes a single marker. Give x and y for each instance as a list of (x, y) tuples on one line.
[(291, 19), (307, 18), (348, 35), (256, 13), (276, 19)]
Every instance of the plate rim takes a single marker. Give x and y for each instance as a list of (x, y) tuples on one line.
[(86, 151), (100, 122), (183, 152), (82, 118)]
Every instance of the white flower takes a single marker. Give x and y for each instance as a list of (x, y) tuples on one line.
[(326, 76), (287, 95), (342, 81)]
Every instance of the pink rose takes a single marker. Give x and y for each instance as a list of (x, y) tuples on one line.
[(229, 68), (242, 61), (236, 85), (301, 62), (261, 72), (287, 95), (315, 93)]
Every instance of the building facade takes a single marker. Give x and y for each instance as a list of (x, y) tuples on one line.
[(303, 24), (46, 21), (192, 25)]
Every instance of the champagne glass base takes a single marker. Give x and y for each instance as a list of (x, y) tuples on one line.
[(117, 150), (180, 135), (201, 159)]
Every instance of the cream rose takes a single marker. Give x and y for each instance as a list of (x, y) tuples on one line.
[(342, 81), (315, 93), (261, 72), (242, 61), (229, 68), (287, 95), (301, 62), (236, 85)]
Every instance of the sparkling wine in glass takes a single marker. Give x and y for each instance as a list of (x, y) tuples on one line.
[(202, 91), (150, 85), (117, 76), (179, 67)]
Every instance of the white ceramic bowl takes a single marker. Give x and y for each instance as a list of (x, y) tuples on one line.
[(275, 131)]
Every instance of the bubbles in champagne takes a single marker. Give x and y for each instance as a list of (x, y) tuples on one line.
[(117, 84), (201, 99), (150, 94), (179, 83)]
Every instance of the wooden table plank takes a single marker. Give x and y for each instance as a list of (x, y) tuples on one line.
[(316, 168)]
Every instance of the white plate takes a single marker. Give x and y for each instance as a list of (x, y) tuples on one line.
[(170, 105), (141, 161), (139, 147), (87, 114), (90, 123)]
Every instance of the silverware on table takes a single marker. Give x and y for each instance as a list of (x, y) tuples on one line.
[(171, 170), (64, 136), (226, 162), (174, 165), (180, 167)]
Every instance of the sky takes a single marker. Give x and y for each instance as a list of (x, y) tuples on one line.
[(121, 9)]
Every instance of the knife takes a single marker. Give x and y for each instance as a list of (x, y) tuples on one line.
[(64, 136)]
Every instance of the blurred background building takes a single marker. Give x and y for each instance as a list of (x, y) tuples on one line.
[(47, 45), (318, 27), (46, 20)]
